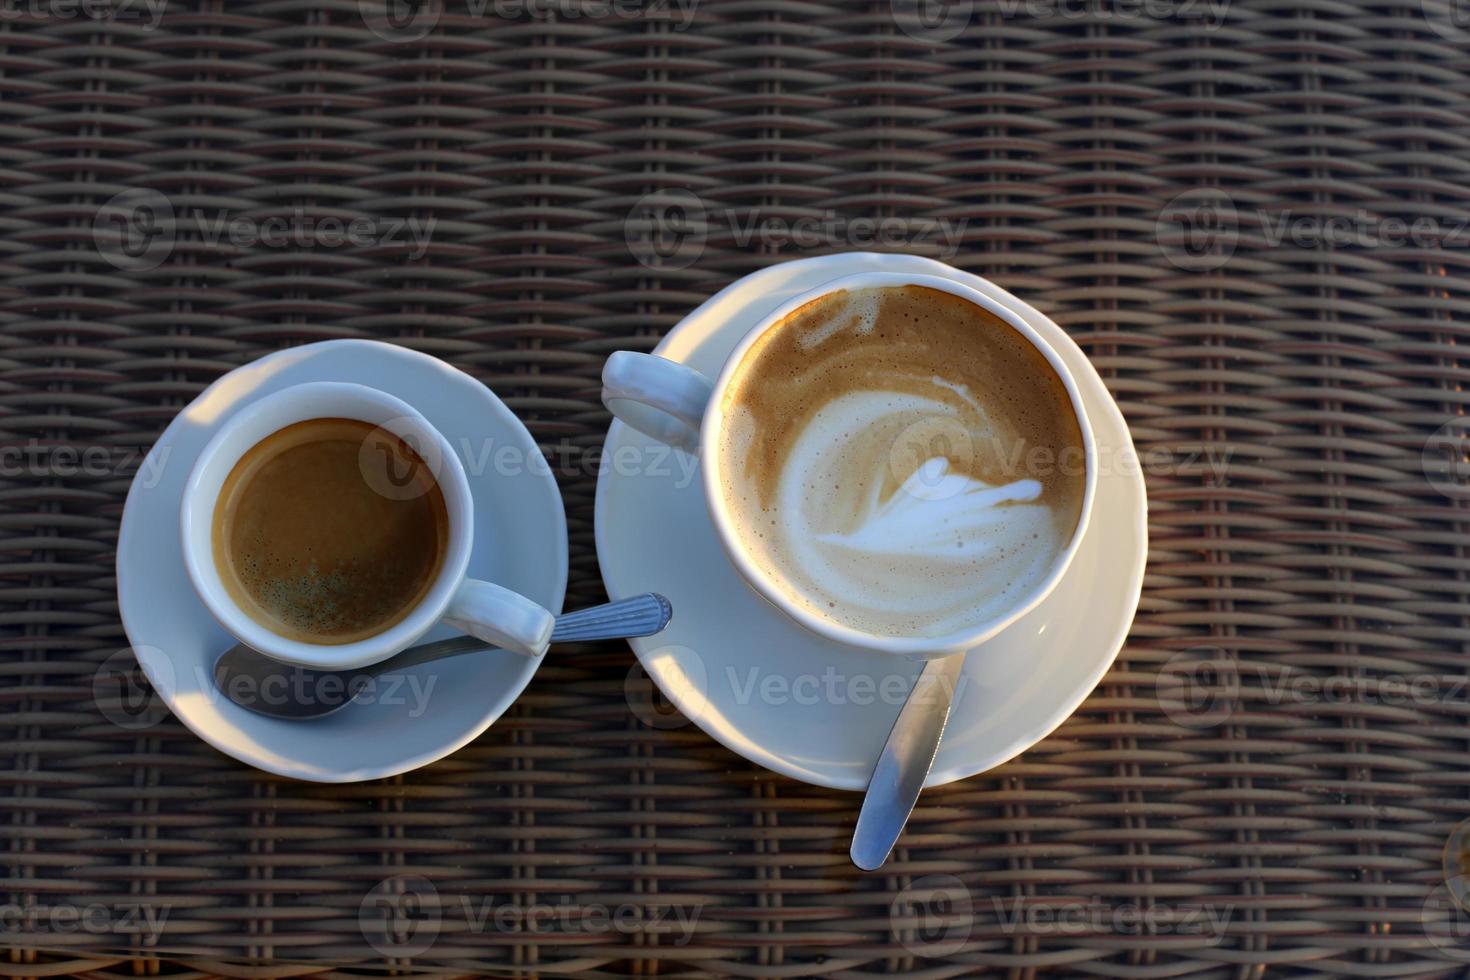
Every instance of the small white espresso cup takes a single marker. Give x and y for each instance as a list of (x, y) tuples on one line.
[(482, 609), (680, 407)]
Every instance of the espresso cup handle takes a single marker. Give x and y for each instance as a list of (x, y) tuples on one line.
[(500, 617), (657, 396)]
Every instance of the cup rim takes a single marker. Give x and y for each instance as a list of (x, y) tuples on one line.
[(921, 647), (219, 454)]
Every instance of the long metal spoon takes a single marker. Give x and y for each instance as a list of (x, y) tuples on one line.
[(268, 687), (904, 763)]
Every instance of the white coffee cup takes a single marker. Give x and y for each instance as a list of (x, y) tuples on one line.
[(481, 609), (673, 404)]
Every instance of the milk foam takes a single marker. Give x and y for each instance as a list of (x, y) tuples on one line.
[(877, 453), (942, 552), (858, 314)]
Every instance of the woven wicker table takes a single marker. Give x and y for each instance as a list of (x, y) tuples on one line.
[(1252, 216)]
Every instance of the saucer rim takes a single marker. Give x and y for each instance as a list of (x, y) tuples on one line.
[(128, 529), (673, 346)]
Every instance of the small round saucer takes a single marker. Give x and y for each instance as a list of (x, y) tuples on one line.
[(816, 710), (520, 542)]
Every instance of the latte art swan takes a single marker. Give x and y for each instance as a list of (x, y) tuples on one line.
[(901, 459)]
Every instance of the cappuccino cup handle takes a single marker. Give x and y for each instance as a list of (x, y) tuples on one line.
[(500, 617), (656, 396)]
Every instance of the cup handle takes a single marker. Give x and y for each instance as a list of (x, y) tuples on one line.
[(657, 396), (500, 617)]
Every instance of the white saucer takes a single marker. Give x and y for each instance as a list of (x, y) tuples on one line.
[(815, 710), (520, 542)]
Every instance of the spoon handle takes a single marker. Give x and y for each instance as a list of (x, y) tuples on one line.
[(642, 615), (904, 763)]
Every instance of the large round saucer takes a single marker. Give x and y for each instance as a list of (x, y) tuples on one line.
[(812, 709), (520, 542)]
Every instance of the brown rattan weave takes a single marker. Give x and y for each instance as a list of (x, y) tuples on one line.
[(1208, 198)]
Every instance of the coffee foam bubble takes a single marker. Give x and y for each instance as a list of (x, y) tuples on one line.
[(865, 456)]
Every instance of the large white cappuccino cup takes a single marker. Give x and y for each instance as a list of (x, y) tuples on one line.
[(681, 408)]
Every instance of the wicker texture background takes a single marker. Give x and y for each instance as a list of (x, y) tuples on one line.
[(1058, 136)]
